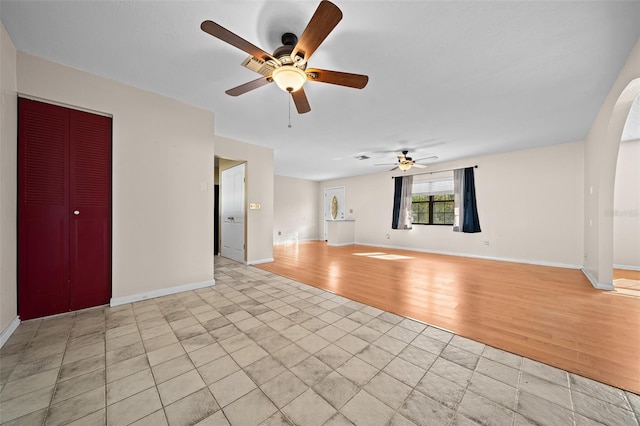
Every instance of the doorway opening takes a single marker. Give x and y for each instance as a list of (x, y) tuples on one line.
[(230, 220)]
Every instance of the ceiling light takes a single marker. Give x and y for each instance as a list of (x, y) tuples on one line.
[(289, 78), (405, 165)]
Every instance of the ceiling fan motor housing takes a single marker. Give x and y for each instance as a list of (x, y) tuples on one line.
[(283, 54)]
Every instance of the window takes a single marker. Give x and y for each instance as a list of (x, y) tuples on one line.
[(432, 201)]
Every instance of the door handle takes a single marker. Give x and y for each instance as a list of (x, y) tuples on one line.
[(76, 212), (230, 218)]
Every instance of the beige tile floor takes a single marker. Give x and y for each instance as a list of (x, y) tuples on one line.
[(261, 349)]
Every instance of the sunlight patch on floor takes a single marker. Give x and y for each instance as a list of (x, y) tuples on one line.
[(627, 287), (391, 257), (383, 256)]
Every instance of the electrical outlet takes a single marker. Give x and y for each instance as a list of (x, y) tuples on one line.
[(388, 236), (486, 243), (279, 233)]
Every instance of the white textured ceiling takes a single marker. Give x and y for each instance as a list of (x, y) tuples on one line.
[(452, 79)]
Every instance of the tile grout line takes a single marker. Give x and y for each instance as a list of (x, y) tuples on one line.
[(55, 386), (573, 411), (518, 390), (153, 376)]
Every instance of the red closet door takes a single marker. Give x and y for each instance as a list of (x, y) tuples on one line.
[(43, 200), (90, 201), (64, 260)]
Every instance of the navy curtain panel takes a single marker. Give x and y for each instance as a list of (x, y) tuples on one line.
[(402, 202), (397, 200), (470, 222)]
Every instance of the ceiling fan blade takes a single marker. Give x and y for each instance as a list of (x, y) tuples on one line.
[(419, 166), (395, 168), (227, 36), (300, 99), (357, 81), (386, 164), (433, 157), (244, 88), (323, 21)]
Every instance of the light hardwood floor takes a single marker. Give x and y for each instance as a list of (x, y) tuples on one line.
[(627, 274), (552, 315)]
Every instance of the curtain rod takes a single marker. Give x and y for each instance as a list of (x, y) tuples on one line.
[(437, 171)]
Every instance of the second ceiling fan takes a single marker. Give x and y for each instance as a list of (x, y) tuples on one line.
[(405, 162), (287, 66)]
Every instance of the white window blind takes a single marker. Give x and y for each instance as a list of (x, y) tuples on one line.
[(433, 186)]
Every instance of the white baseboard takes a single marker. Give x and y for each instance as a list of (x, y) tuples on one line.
[(627, 267), (117, 301), (340, 244), (594, 282), (474, 256), (7, 332), (259, 261)]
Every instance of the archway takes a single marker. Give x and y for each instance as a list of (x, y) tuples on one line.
[(626, 208), (602, 158)]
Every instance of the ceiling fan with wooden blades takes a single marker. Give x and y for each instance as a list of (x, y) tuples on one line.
[(287, 66), (405, 162)]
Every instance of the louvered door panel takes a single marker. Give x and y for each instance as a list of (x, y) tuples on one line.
[(90, 236), (43, 225)]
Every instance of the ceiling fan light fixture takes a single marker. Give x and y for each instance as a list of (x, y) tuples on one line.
[(404, 166), (289, 78)]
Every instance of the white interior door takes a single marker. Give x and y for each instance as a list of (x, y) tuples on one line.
[(232, 211), (333, 207)]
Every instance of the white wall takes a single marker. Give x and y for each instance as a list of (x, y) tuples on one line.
[(295, 210), (529, 203), (601, 155), (259, 175), (163, 162), (8, 181), (626, 207)]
